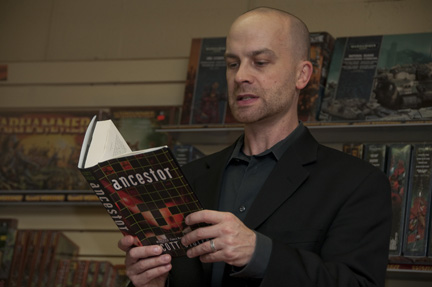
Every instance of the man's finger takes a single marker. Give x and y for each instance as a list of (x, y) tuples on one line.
[(204, 216)]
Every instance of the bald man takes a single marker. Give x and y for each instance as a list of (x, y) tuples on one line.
[(282, 209)]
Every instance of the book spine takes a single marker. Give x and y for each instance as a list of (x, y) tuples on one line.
[(42, 264), (376, 155), (8, 229), (30, 257), (61, 273), (354, 149), (418, 202), (106, 200), (399, 162), (18, 258), (64, 248)]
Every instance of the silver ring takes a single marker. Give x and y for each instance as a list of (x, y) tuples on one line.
[(212, 246)]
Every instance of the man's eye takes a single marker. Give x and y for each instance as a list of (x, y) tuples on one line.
[(261, 63), (232, 65)]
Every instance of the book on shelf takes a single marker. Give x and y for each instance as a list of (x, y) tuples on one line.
[(36, 255), (144, 192), (376, 78), (91, 273), (59, 247), (186, 153), (18, 258), (120, 278), (309, 102), (354, 149), (138, 124), (105, 275), (39, 153), (376, 154), (32, 255), (417, 216), (399, 162), (8, 229), (205, 99), (62, 273)]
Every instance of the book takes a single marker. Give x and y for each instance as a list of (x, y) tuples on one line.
[(8, 229), (39, 264), (354, 149), (31, 255), (104, 276), (186, 153), (60, 248), (419, 202), (17, 267), (376, 154), (120, 278), (399, 162), (309, 102), (144, 192), (91, 274), (81, 273), (39, 153), (205, 99), (138, 124), (376, 78), (62, 273)]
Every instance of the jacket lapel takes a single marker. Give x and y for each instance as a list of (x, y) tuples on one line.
[(211, 180), (285, 179)]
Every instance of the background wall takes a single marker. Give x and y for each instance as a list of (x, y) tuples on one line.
[(89, 53), (45, 42), (59, 30)]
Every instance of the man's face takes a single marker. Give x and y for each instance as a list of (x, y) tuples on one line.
[(261, 71)]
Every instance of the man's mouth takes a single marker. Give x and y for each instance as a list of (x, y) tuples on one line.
[(246, 97)]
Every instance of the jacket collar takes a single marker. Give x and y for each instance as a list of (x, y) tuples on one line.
[(288, 174)]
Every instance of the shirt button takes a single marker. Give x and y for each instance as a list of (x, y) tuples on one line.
[(242, 208)]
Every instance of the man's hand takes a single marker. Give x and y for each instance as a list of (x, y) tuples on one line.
[(234, 243), (145, 266)]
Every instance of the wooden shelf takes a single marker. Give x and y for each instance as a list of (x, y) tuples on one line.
[(46, 197), (419, 131), (414, 275)]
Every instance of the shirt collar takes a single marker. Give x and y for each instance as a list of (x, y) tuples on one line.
[(277, 150)]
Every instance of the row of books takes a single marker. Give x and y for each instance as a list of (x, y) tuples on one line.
[(39, 149), (409, 169), (384, 77), (48, 258), (89, 273)]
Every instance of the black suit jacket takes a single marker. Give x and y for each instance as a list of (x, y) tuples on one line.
[(328, 215)]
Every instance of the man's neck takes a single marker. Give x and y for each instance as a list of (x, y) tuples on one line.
[(260, 137)]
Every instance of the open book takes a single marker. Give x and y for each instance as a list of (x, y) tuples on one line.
[(144, 192)]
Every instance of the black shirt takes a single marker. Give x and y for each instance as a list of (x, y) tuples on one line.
[(244, 177)]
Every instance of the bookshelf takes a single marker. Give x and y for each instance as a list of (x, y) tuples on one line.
[(325, 133)]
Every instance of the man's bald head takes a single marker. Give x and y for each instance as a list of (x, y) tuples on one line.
[(296, 32)]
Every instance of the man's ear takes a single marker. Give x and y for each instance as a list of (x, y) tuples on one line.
[(305, 69)]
